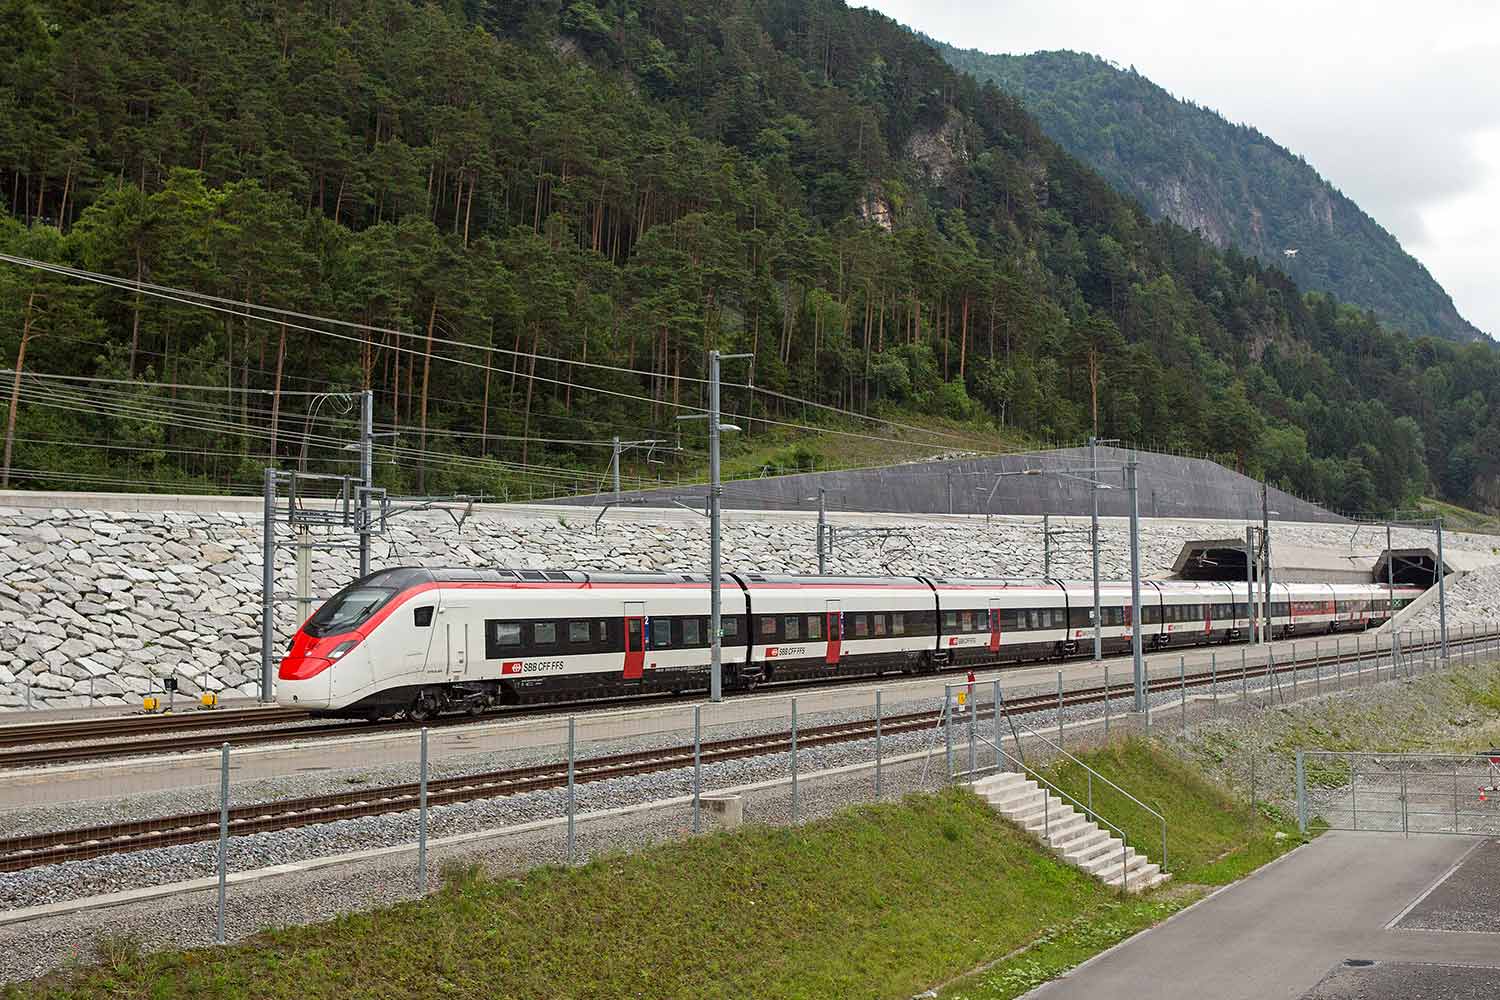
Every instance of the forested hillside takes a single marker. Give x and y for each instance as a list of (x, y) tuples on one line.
[(1229, 182), (537, 217)]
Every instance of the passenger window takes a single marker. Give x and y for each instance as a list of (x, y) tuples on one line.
[(814, 627), (879, 624), (422, 617), (691, 632), (861, 625), (950, 621), (768, 627), (731, 626), (661, 633), (579, 632), (793, 627), (544, 633), (898, 624), (508, 633)]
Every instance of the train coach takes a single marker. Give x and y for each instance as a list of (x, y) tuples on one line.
[(418, 642)]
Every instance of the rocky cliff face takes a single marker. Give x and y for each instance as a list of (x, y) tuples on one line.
[(99, 606)]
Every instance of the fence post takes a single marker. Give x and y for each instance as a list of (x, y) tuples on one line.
[(572, 832), (422, 815), (223, 837), (1244, 680), (1405, 811), (1252, 781), (1213, 669), (995, 700), (1106, 699), (1455, 796), (795, 802), (1353, 792), (1296, 669), (948, 726), (973, 732), (1395, 653), (1059, 709), (1301, 794), (877, 739), (697, 768), (1317, 668), (1182, 689)]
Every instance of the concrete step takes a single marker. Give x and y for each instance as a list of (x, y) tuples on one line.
[(1003, 780), (1014, 797), (1111, 875), (1069, 833), (1081, 844)]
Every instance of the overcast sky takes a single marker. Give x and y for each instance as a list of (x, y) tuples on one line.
[(1397, 104)]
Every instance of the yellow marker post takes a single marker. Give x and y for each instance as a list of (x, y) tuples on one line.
[(151, 703), (963, 697), (209, 699)]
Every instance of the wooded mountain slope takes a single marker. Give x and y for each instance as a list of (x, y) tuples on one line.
[(494, 193), (1229, 182)]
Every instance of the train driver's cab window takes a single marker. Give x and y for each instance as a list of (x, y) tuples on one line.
[(544, 633), (508, 633), (422, 617)]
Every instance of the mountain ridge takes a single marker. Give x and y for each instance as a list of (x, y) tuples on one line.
[(1227, 180)]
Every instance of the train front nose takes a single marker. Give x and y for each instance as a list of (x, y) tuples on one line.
[(308, 673)]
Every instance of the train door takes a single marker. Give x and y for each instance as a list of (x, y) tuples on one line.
[(418, 639), (635, 639), (833, 624), (994, 625), (456, 640)]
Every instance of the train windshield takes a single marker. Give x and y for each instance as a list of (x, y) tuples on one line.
[(347, 609)]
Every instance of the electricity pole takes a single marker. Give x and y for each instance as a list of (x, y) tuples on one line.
[(1442, 571), (1251, 552), (366, 476), (1265, 542), (1135, 586), (822, 531), (1094, 541), (715, 495)]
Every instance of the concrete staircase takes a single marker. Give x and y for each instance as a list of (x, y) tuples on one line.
[(1069, 834)]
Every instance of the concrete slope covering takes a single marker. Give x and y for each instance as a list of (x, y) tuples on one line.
[(1170, 486), (104, 595)]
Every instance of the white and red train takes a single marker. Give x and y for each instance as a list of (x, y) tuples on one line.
[(420, 641)]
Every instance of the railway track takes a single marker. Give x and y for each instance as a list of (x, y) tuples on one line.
[(140, 725), (19, 853), (205, 730)]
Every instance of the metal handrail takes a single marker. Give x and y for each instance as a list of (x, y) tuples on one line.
[(1091, 773), (1093, 816)]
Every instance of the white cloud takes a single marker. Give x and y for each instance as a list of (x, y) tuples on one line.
[(1397, 106)]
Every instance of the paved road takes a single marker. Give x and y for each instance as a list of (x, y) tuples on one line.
[(1292, 925)]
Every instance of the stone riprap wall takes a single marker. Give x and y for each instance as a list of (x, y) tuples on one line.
[(98, 605)]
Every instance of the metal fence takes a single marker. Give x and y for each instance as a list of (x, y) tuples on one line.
[(1400, 792)]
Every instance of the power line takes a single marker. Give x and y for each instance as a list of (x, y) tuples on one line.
[(206, 302)]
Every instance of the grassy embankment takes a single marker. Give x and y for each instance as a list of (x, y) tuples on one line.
[(879, 901)]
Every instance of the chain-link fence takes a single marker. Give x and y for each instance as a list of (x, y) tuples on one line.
[(1400, 792)]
